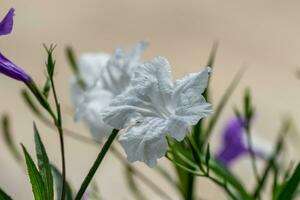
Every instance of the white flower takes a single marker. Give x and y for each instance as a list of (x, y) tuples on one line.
[(154, 106), (105, 76)]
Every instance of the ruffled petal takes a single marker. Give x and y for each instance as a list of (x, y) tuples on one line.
[(189, 104), (153, 81), (125, 108), (191, 85), (145, 141)]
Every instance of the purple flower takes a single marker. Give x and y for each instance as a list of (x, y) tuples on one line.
[(234, 143), (13, 71), (6, 24)]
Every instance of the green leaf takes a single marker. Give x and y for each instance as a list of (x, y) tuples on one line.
[(96, 164), (30, 103), (46, 88), (58, 184), (211, 60), (6, 128), (207, 159), (50, 64), (74, 66), (72, 59), (4, 196), (43, 164), (291, 185), (210, 63), (221, 105), (271, 164), (37, 184), (230, 179)]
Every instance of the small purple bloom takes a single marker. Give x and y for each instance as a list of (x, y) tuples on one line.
[(10, 69), (234, 143), (6, 24)]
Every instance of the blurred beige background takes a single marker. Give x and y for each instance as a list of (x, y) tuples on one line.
[(262, 35)]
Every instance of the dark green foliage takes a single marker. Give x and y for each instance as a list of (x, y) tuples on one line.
[(43, 164), (58, 184), (4, 196), (37, 184)]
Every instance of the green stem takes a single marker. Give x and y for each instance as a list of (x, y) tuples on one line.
[(223, 185), (58, 123), (96, 164), (252, 154)]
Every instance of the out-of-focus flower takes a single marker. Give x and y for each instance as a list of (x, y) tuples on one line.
[(105, 76), (6, 25), (154, 106), (234, 143), (11, 70)]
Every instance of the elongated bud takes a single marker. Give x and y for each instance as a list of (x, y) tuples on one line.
[(6, 25)]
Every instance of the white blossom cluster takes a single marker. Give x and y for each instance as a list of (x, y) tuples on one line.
[(140, 99)]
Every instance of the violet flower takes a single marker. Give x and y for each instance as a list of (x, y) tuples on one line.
[(11, 70), (6, 24), (234, 143)]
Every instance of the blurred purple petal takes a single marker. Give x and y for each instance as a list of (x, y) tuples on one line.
[(6, 25), (13, 71), (234, 143)]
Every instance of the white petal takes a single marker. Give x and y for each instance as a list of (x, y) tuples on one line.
[(117, 74), (192, 83), (134, 55), (153, 81), (189, 104), (126, 108), (146, 141), (195, 109), (148, 95), (92, 103), (90, 66), (76, 91), (178, 127)]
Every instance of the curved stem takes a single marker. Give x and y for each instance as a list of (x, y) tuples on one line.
[(58, 124), (96, 164)]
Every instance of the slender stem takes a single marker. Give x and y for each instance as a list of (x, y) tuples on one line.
[(96, 164), (252, 154), (221, 184), (58, 123), (148, 182)]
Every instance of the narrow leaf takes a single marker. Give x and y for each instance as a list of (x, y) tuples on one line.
[(4, 196), (291, 186), (210, 63), (46, 88), (58, 184), (74, 66), (6, 128), (207, 159), (217, 113), (50, 64), (72, 59), (30, 103), (43, 164), (271, 164), (36, 180)]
